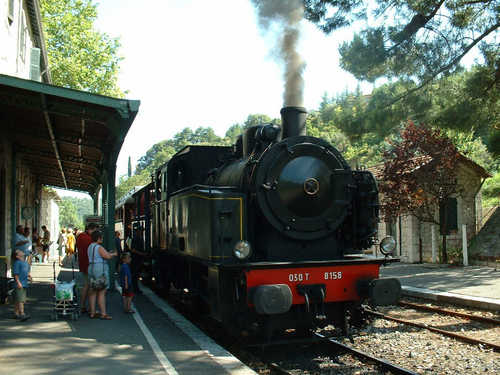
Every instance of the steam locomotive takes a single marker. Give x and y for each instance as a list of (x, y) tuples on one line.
[(267, 234)]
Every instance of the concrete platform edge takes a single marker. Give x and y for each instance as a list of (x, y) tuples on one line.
[(218, 354), (459, 299)]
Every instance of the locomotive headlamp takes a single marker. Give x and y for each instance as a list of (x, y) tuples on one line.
[(387, 245), (242, 250)]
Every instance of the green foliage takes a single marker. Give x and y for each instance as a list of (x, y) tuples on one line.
[(491, 191), (257, 119), (449, 103), (473, 147), (162, 151), (72, 210), (126, 184), (412, 38), (79, 56), (417, 42), (232, 134)]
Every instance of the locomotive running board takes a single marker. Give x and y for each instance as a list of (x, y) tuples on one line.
[(319, 263)]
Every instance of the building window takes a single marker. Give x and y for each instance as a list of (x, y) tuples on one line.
[(448, 216), (10, 12)]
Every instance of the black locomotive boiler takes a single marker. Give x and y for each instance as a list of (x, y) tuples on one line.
[(268, 234)]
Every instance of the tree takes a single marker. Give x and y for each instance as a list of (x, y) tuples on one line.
[(79, 56), (72, 210), (129, 174), (491, 191), (417, 38), (232, 134), (451, 102), (419, 176), (257, 119), (417, 42), (126, 184), (68, 216), (162, 151)]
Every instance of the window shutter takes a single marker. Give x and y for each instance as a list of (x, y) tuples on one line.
[(35, 64), (10, 14)]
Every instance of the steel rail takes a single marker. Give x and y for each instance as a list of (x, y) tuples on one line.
[(277, 368), (379, 361), (482, 319), (463, 338)]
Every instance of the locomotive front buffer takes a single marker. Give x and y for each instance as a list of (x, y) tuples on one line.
[(318, 292)]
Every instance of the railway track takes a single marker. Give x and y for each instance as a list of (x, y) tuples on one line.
[(332, 347), (439, 310), (454, 335), (385, 365)]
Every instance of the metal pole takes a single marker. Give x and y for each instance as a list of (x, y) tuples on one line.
[(110, 215), (464, 244), (109, 224), (433, 239)]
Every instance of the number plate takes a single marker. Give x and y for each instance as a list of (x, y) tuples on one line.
[(305, 276), (298, 277), (332, 275)]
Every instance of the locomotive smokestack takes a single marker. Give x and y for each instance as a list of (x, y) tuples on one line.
[(293, 121)]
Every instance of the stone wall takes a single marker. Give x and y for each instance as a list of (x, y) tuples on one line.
[(5, 190), (417, 237), (49, 216), (18, 181)]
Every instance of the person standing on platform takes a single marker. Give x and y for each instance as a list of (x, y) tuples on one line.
[(61, 245), (21, 273), (127, 243), (45, 244), (138, 254), (118, 247), (70, 245), (27, 255), (37, 245), (21, 242), (82, 244), (126, 283), (97, 272)]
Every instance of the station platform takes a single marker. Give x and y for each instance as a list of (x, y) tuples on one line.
[(470, 286), (154, 340)]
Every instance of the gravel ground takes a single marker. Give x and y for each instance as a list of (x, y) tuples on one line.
[(422, 351), (311, 360), (412, 348), (461, 326)]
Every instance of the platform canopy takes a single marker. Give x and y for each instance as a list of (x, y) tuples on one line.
[(69, 138)]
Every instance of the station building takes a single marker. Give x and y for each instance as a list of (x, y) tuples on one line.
[(50, 136)]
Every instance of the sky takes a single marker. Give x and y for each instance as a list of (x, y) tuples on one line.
[(196, 63)]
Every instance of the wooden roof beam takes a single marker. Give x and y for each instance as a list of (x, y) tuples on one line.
[(52, 138)]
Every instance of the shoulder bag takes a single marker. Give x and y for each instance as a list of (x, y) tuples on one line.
[(97, 282)]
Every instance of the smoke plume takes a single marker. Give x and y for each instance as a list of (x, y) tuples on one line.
[(285, 15)]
